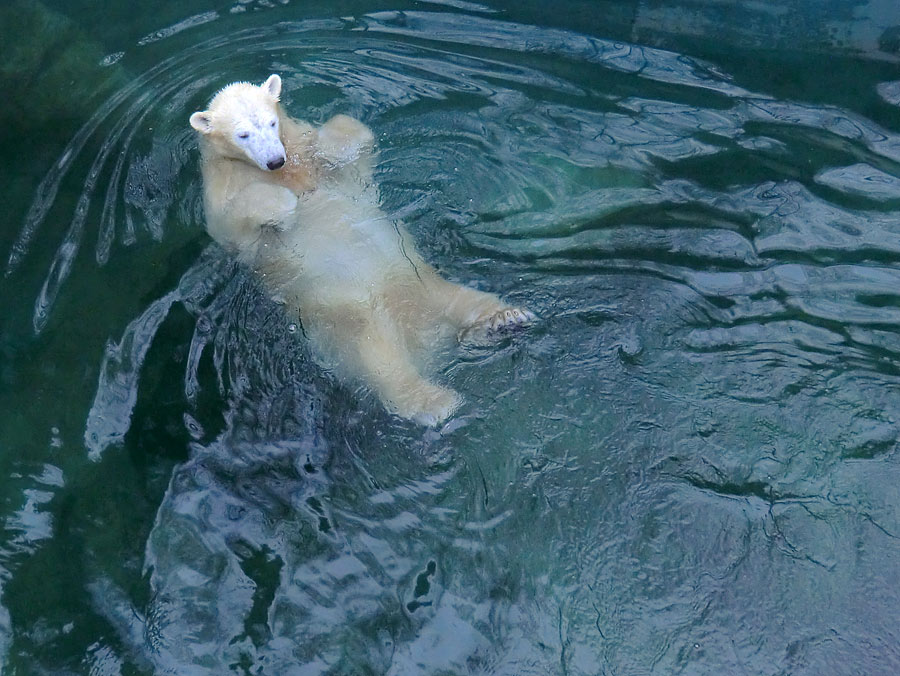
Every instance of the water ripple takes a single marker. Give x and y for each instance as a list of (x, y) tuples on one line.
[(705, 410)]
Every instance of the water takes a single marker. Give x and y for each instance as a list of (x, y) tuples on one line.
[(689, 466)]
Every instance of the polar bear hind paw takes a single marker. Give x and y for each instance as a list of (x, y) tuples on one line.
[(496, 323), (428, 405), (509, 318)]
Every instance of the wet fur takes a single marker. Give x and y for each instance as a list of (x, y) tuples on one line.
[(314, 231)]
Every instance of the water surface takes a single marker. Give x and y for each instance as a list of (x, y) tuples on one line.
[(689, 466)]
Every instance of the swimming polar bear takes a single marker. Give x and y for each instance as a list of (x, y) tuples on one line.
[(298, 205)]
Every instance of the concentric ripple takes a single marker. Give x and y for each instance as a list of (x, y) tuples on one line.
[(688, 466)]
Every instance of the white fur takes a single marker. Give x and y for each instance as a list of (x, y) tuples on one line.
[(314, 231)]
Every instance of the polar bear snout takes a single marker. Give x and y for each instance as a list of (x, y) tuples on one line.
[(266, 153), (260, 143)]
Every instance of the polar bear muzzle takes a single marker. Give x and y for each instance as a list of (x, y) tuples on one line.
[(262, 145)]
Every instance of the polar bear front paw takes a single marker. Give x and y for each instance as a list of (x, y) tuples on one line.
[(262, 204), (343, 140), (283, 203)]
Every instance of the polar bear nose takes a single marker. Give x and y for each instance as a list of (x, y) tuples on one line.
[(275, 164)]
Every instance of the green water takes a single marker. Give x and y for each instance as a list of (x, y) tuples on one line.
[(690, 465)]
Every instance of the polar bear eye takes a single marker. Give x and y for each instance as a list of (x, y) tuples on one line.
[(244, 134), (272, 123)]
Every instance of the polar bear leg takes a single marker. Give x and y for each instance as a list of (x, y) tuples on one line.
[(387, 368), (476, 314)]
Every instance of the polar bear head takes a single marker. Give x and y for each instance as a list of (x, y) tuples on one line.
[(243, 123)]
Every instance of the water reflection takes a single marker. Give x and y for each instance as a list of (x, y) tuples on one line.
[(690, 465)]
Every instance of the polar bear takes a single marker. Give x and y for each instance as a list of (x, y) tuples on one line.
[(298, 205)]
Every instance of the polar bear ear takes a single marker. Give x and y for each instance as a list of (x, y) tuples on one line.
[(202, 121), (272, 86)]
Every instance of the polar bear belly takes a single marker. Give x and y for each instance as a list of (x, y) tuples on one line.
[(342, 249)]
